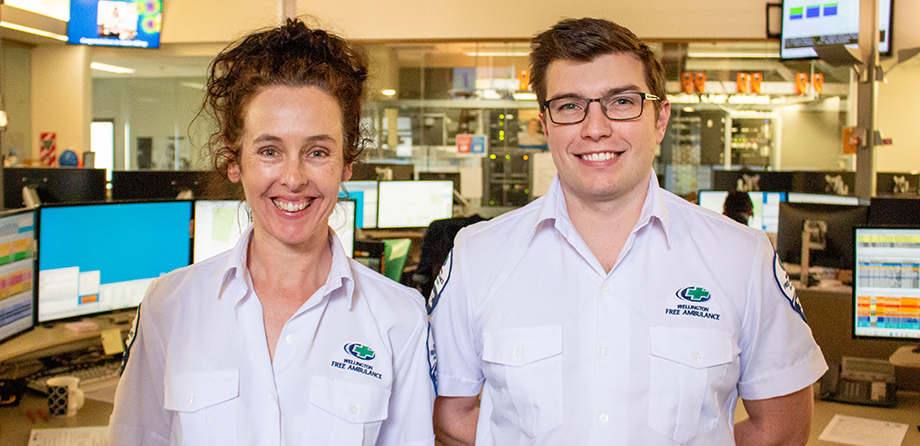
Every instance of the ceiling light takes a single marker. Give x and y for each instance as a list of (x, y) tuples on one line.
[(733, 55), (110, 68), (688, 109), (524, 96), (35, 31), (388, 92)]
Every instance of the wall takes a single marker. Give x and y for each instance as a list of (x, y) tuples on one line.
[(811, 137), (17, 99), (61, 96)]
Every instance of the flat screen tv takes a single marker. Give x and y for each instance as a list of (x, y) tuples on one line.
[(125, 23), (807, 24)]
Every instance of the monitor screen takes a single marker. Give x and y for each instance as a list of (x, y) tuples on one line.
[(413, 204), (125, 23), (17, 272), (53, 185), (365, 193), (167, 184), (887, 211), (838, 222), (766, 207), (797, 197), (102, 257), (807, 24), (886, 289), (384, 171), (219, 224)]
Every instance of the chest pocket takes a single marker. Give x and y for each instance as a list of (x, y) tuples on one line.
[(344, 413), (687, 366), (528, 361), (205, 406)]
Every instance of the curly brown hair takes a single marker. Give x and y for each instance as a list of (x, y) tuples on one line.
[(291, 55), (583, 40)]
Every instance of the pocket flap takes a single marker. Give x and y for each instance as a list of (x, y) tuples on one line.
[(693, 347), (195, 391), (350, 401), (521, 346)]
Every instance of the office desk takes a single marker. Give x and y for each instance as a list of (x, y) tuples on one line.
[(15, 425)]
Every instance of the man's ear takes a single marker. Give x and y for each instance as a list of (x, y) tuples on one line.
[(664, 113)]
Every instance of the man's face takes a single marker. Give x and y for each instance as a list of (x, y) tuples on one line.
[(600, 160)]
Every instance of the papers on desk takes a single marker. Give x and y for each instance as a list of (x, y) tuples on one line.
[(71, 436), (863, 431)]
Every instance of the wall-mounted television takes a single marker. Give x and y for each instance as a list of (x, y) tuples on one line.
[(126, 23), (808, 23)]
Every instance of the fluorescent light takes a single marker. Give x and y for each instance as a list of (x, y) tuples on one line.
[(733, 55), (525, 96), (110, 68), (35, 31), (688, 109), (500, 53), (388, 92)]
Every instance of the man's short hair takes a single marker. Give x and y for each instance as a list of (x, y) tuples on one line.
[(583, 40)]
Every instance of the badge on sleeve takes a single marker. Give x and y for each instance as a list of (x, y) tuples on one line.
[(432, 360), (440, 282), (785, 286), (129, 341)]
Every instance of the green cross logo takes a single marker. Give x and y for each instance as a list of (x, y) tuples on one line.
[(360, 351), (693, 294)]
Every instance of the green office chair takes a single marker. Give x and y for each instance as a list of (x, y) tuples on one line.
[(395, 252)]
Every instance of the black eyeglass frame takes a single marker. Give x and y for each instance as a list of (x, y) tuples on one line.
[(644, 96)]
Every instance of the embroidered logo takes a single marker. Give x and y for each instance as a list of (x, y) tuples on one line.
[(785, 286), (361, 352), (693, 294)]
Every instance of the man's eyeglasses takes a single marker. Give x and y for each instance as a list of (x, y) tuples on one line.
[(616, 106)]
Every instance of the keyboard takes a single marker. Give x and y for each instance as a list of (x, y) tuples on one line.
[(93, 376)]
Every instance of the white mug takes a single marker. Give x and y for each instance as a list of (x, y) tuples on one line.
[(64, 398)]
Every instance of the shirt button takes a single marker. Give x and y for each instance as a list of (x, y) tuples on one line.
[(518, 353), (605, 351), (191, 397), (604, 418), (606, 288), (289, 339), (353, 410), (697, 356)]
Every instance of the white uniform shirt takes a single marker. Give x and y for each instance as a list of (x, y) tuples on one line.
[(351, 366), (656, 352)]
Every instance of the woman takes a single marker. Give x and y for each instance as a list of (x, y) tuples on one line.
[(283, 339)]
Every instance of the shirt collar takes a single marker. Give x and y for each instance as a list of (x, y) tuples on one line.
[(340, 273), (553, 211)]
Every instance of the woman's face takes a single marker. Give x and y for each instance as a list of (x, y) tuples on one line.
[(291, 164)]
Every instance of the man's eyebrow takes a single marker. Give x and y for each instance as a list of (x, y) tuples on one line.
[(616, 90)]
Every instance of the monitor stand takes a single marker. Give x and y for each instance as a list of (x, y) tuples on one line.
[(30, 197), (906, 356)]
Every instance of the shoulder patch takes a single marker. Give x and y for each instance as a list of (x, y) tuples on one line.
[(785, 286), (432, 360), (440, 282), (129, 341)]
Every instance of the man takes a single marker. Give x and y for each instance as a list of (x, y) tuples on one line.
[(610, 311), (738, 206)]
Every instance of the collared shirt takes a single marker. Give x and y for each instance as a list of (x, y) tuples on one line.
[(351, 366), (695, 312)]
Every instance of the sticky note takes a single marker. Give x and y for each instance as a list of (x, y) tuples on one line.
[(111, 341)]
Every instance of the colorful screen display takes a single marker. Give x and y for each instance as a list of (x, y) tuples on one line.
[(127, 23)]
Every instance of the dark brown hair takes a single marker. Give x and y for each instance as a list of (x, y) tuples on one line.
[(583, 40), (289, 55)]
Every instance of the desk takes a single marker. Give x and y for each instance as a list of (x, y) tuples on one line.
[(15, 425), (44, 341)]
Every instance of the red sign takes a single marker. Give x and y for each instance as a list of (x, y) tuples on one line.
[(48, 149)]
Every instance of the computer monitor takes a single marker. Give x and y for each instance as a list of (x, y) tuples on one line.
[(53, 185), (897, 184), (453, 177), (828, 182), (799, 197), (413, 204), (102, 257), (365, 193), (371, 171), (219, 224), (757, 180), (838, 221), (168, 184), (886, 286), (17, 272), (766, 207), (894, 211)]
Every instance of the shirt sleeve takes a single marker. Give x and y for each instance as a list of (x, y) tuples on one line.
[(779, 355), (411, 403), (139, 417), (459, 368)]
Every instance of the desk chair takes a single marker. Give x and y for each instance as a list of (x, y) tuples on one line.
[(395, 252)]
